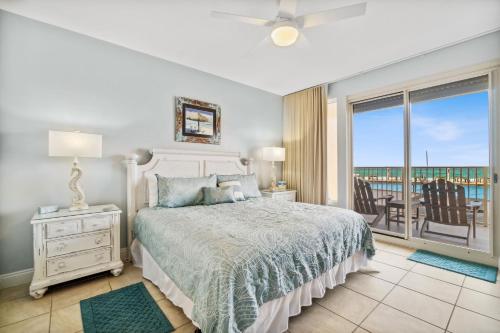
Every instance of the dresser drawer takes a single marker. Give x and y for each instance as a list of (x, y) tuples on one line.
[(78, 260), (64, 228), (289, 196), (97, 223), (82, 242)]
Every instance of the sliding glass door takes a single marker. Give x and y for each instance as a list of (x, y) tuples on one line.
[(450, 162), (421, 163), (378, 160)]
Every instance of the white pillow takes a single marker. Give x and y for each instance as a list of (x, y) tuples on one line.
[(238, 194), (152, 191)]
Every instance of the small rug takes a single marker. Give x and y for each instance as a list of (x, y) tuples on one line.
[(129, 309), (479, 271)]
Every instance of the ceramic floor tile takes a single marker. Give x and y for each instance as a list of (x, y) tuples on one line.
[(483, 286), (438, 273), (23, 308), (73, 294), (130, 275), (421, 306), (39, 324), (315, 319), (431, 287), (360, 330), (386, 272), (187, 328), (348, 304), (66, 320), (154, 291), (368, 285), (174, 314), (479, 302), (11, 293), (396, 249), (393, 259), (465, 321), (385, 319)]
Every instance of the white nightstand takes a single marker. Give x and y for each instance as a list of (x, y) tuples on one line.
[(288, 195), (70, 244)]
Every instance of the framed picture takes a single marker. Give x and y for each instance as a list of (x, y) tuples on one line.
[(197, 121)]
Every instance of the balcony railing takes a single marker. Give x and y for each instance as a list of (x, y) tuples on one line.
[(389, 180)]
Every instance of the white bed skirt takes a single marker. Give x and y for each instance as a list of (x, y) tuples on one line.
[(273, 315)]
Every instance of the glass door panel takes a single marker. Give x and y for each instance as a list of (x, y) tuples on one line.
[(450, 177), (378, 160)]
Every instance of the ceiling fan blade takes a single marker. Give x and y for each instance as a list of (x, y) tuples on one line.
[(243, 19), (332, 15), (287, 8)]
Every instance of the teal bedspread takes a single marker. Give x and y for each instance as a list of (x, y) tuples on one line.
[(231, 258)]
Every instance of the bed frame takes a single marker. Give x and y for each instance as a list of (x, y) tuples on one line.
[(173, 163)]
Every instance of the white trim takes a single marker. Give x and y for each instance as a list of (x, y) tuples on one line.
[(449, 250), (427, 81), (25, 276), (349, 152), (16, 278)]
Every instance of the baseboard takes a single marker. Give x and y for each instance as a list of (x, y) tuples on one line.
[(16, 278), (24, 276)]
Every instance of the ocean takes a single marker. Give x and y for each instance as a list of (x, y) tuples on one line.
[(471, 178)]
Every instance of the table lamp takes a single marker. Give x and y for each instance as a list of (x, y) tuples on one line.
[(75, 144), (273, 154)]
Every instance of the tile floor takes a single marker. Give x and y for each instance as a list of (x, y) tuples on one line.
[(402, 297)]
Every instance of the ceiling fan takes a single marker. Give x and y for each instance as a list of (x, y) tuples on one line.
[(286, 27)]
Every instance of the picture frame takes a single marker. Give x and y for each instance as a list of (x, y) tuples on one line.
[(197, 121)]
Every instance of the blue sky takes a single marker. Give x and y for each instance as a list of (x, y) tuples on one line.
[(453, 130)]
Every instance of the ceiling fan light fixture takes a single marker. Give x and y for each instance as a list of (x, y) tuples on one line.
[(284, 33)]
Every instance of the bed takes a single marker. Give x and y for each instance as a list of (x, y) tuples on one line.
[(239, 267)]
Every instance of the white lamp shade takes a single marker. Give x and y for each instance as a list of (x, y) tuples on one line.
[(274, 154), (75, 144)]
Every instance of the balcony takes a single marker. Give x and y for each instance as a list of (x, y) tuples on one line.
[(388, 182)]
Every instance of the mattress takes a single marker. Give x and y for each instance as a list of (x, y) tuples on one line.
[(230, 259)]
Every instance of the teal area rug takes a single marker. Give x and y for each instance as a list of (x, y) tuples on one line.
[(479, 271), (129, 309)]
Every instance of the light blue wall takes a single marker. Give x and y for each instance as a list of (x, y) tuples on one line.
[(55, 79)]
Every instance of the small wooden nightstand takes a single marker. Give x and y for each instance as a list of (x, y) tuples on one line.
[(70, 244), (288, 195)]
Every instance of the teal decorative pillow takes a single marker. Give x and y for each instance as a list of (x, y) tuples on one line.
[(249, 185), (179, 192), (217, 195), (236, 185)]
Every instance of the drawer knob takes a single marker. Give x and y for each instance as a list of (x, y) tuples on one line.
[(99, 256), (61, 264), (98, 240), (61, 246), (60, 230)]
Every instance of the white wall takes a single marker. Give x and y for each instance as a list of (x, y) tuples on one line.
[(469, 53), (54, 79)]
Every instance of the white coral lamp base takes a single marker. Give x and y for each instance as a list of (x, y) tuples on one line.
[(273, 177), (78, 202)]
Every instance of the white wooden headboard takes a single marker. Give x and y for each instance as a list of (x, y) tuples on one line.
[(174, 163)]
